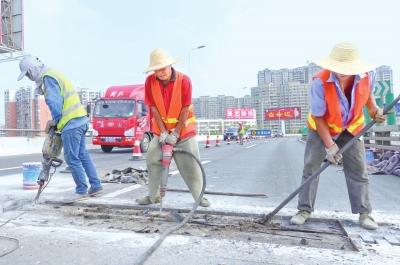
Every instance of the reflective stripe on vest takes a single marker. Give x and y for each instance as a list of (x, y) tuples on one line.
[(171, 118), (72, 107), (333, 116)]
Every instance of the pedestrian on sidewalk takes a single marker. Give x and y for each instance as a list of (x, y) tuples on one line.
[(69, 118), (168, 93), (338, 94)]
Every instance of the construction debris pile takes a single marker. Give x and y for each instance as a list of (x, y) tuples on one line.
[(127, 175), (386, 164)]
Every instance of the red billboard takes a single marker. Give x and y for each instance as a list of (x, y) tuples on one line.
[(289, 113), (240, 113)]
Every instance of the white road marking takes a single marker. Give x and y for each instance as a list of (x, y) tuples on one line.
[(250, 146), (177, 171), (119, 192), (9, 168)]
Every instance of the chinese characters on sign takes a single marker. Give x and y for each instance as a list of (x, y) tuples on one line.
[(240, 113), (289, 113)]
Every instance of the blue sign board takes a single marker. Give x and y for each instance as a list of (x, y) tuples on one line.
[(397, 109), (260, 132)]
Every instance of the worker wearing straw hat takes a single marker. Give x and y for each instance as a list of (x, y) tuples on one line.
[(168, 93), (338, 94)]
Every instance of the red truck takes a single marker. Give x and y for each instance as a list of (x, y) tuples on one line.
[(120, 118)]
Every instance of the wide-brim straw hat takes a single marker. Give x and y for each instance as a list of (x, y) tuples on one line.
[(345, 59), (159, 59)]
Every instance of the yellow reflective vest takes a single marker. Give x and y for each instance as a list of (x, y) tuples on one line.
[(72, 107)]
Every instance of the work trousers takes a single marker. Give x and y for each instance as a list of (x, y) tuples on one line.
[(187, 166), (354, 170), (79, 160)]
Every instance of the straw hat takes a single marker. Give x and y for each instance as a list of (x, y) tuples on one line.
[(159, 59), (345, 59)]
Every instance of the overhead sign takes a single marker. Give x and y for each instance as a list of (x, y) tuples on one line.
[(382, 88), (289, 113), (240, 113), (11, 26)]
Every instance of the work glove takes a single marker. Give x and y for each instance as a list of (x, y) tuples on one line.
[(172, 138), (379, 117), (163, 137), (49, 125), (332, 154)]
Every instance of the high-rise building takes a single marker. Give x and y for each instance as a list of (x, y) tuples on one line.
[(25, 111), (207, 107), (283, 76), (385, 73), (86, 95), (283, 88)]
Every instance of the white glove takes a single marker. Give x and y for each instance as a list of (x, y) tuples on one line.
[(172, 138), (379, 117), (163, 137), (332, 154)]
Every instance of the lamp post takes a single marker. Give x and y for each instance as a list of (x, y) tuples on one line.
[(190, 51)]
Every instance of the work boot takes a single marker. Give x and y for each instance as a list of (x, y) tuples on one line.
[(300, 217), (74, 198), (367, 222), (204, 202), (146, 200), (95, 192)]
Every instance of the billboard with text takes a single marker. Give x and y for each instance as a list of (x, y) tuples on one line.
[(240, 113), (287, 113)]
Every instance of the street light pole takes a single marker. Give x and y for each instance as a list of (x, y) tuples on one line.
[(190, 51)]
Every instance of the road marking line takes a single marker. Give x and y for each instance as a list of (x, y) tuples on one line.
[(250, 146), (119, 192), (177, 171), (9, 168)]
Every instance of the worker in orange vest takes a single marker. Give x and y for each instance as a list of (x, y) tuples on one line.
[(338, 94), (168, 93)]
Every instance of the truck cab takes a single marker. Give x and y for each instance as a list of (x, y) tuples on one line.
[(120, 118)]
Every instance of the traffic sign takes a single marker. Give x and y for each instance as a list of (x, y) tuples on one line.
[(381, 88)]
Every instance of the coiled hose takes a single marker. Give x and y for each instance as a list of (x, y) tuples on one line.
[(169, 231)]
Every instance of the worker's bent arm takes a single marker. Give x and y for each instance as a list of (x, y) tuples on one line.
[(371, 106), (183, 116), (158, 119), (323, 131)]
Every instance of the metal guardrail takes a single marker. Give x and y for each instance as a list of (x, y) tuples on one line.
[(22, 133), (383, 138), (28, 133)]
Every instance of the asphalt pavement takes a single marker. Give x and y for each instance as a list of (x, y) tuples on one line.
[(272, 167)]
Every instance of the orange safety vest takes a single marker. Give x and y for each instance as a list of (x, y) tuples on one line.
[(333, 116), (170, 119)]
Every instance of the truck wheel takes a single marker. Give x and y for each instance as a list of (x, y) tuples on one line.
[(144, 144), (106, 148)]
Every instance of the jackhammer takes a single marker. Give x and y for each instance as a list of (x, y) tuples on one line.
[(167, 152), (51, 150)]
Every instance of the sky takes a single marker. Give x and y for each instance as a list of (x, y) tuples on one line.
[(99, 43)]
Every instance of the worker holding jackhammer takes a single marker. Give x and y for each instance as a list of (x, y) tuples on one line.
[(338, 94), (168, 93), (69, 118)]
